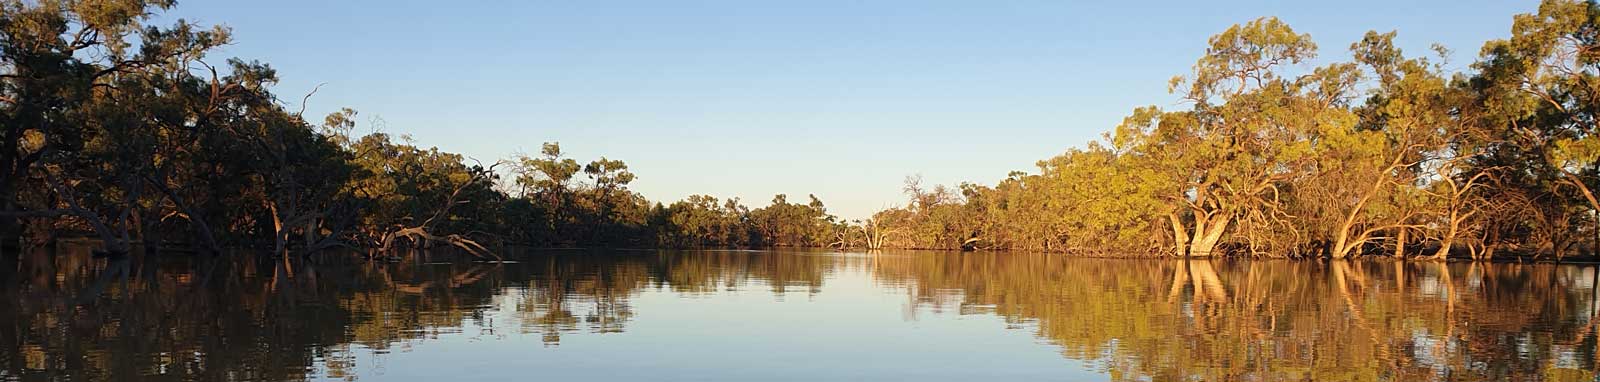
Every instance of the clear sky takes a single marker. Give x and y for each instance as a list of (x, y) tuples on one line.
[(841, 99)]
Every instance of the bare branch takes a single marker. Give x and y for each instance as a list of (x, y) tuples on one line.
[(307, 99)]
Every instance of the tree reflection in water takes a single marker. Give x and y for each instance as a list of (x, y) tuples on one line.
[(68, 316), (1283, 320)]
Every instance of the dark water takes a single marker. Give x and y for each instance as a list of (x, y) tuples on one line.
[(738, 316)]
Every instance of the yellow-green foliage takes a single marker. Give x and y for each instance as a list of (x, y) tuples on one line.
[(1265, 156)]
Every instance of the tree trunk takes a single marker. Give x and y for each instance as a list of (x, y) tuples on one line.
[(197, 221), (1400, 243), (150, 233), (1207, 233), (203, 231), (1180, 239), (280, 239), (112, 242), (1449, 238), (1444, 248), (1340, 243), (1582, 188), (312, 232), (1594, 205)]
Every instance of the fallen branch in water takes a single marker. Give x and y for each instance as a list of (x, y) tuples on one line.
[(420, 234)]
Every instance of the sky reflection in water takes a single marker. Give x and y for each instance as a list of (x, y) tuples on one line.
[(795, 315)]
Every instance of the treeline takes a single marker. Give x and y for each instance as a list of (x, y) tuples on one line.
[(1266, 155), (546, 206), (129, 133)]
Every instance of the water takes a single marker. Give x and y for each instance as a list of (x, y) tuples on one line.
[(792, 315)]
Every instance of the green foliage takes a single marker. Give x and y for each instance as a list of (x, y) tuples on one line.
[(1269, 158), (123, 130)]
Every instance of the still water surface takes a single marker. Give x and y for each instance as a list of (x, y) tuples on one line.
[(793, 315)]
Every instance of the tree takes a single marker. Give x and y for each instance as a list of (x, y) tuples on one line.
[(1224, 159), (64, 70), (547, 174)]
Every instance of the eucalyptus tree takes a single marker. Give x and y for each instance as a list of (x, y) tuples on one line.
[(608, 174), (1537, 91), (1098, 201), (704, 221), (608, 200), (304, 178), (1545, 84), (417, 194), (784, 223), (545, 183), (65, 66), (1224, 159), (1371, 178), (548, 174)]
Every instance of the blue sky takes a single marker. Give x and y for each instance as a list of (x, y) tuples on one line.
[(748, 99)]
